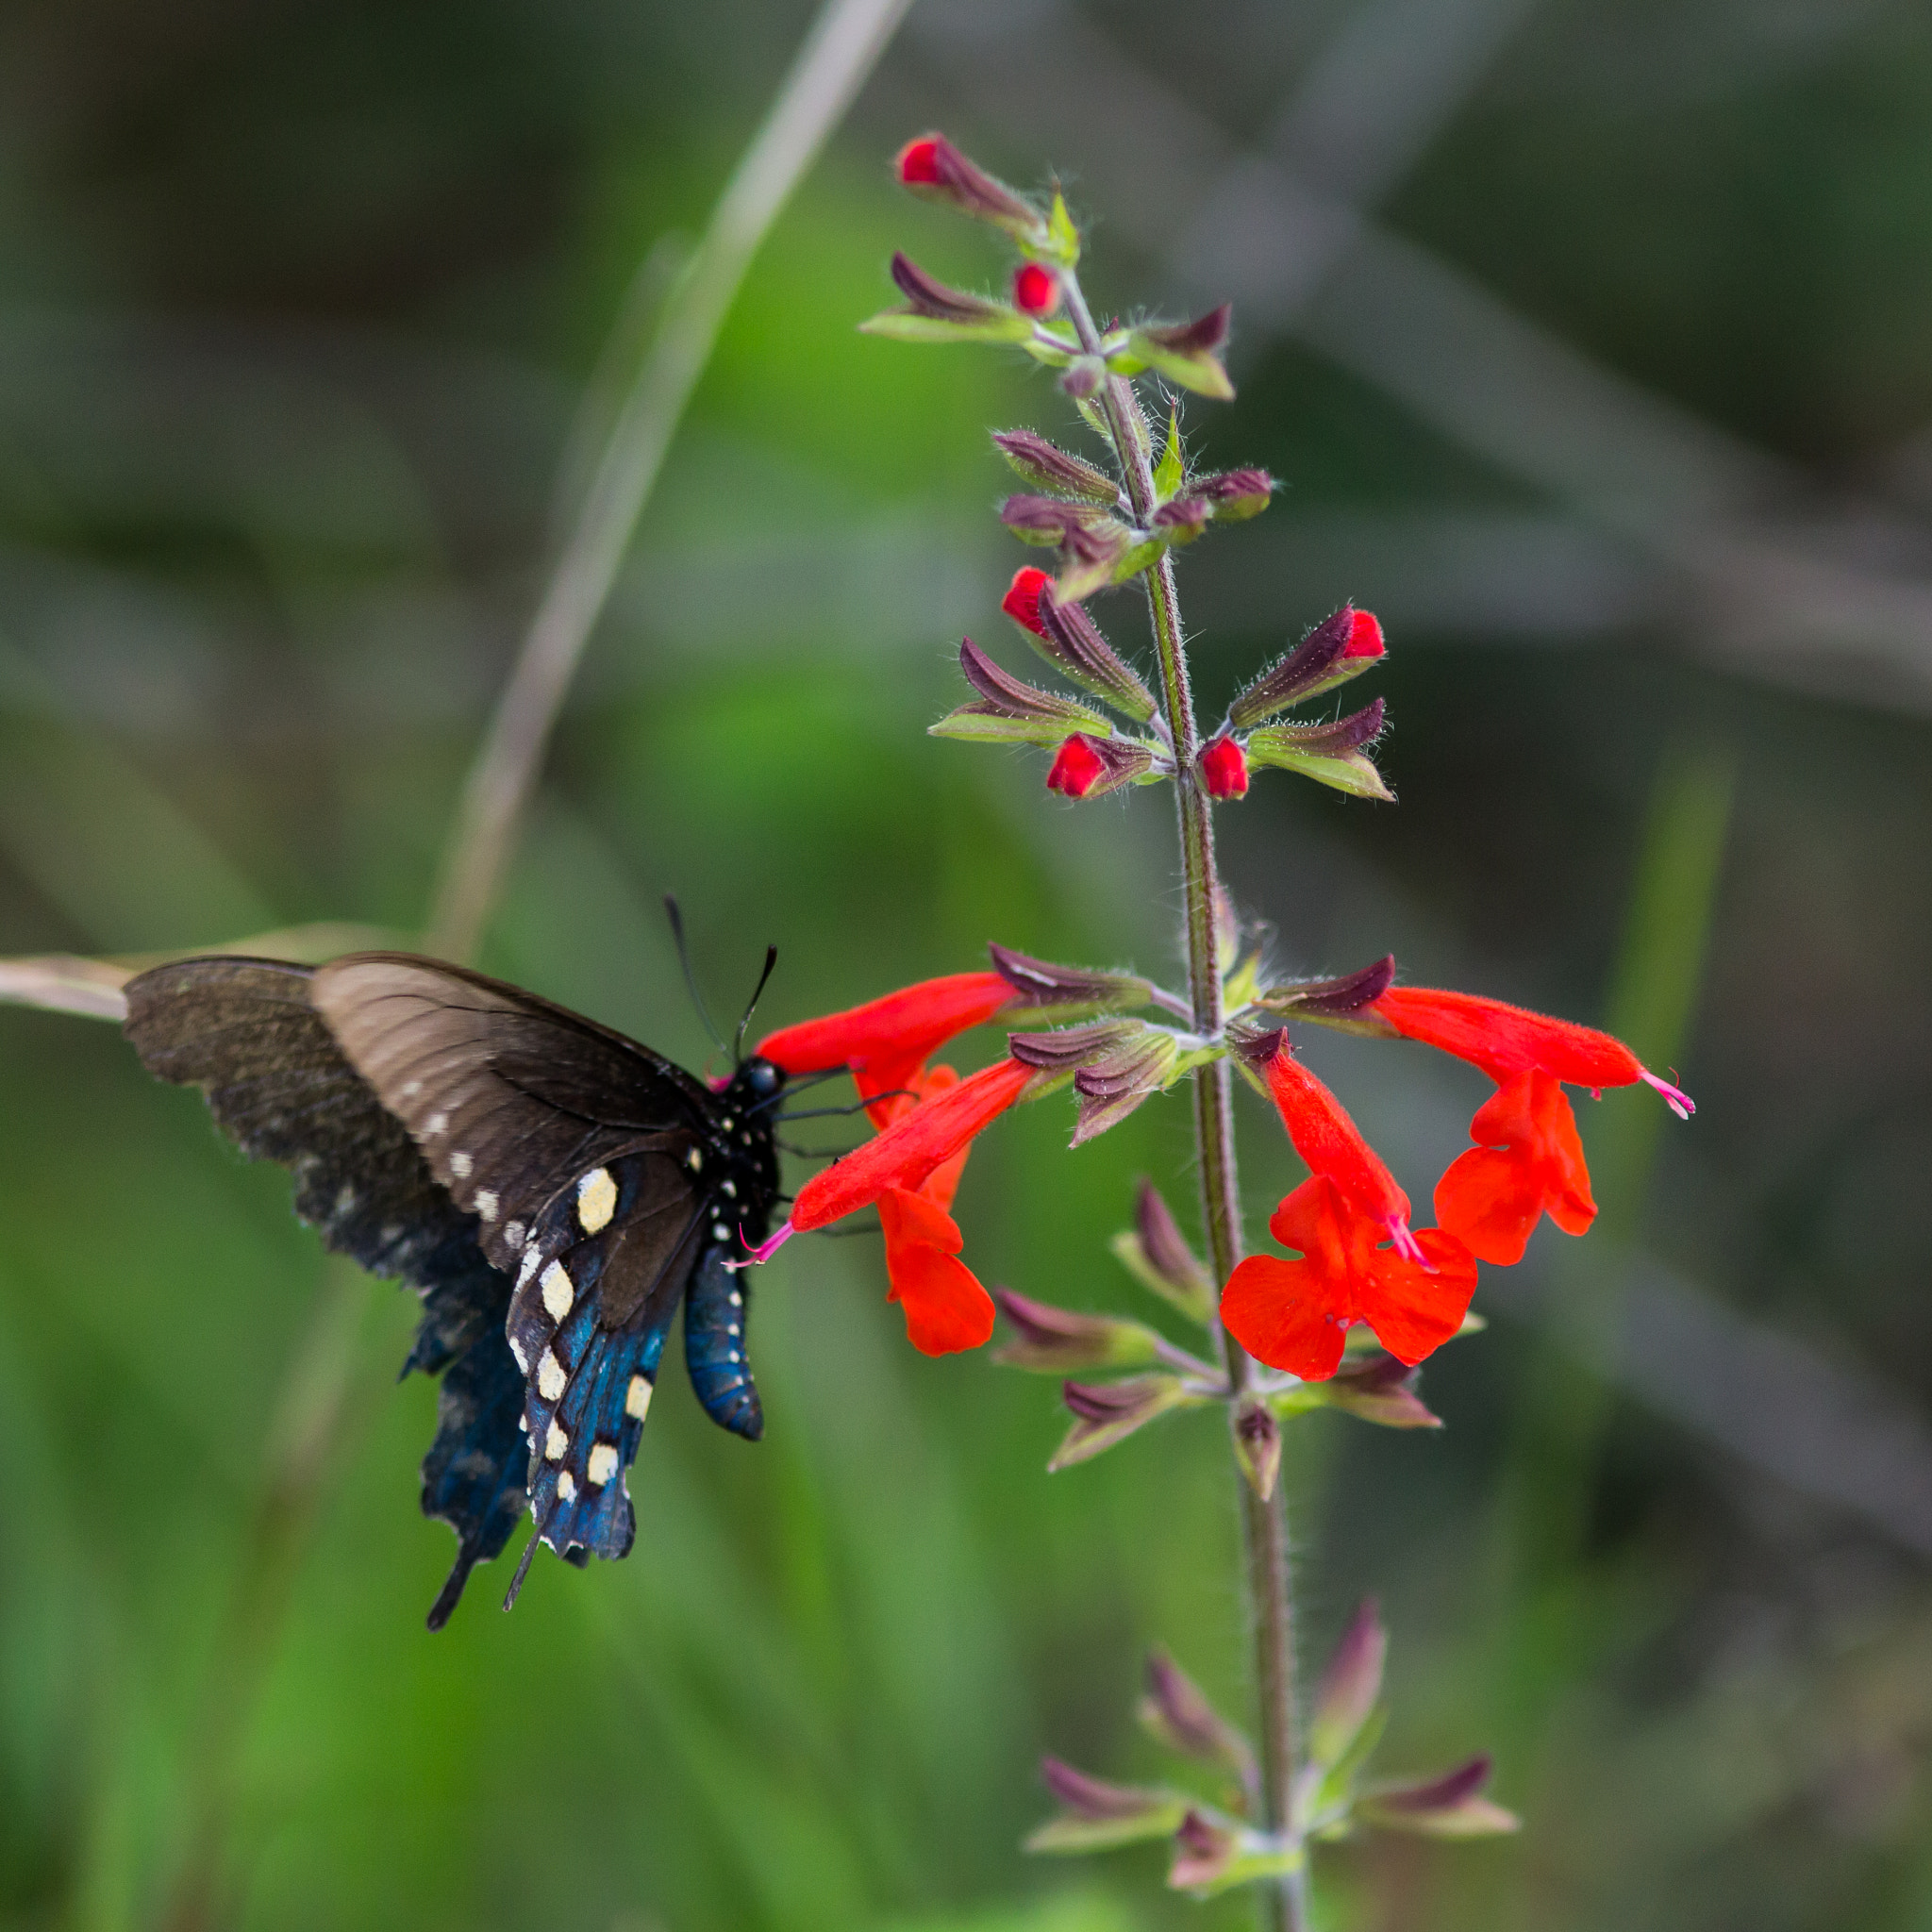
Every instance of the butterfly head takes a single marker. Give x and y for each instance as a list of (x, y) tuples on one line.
[(758, 1080)]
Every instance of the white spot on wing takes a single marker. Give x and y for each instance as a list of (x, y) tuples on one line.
[(637, 1398), (436, 1124), (556, 1445), (532, 1255), (603, 1464), (486, 1204), (551, 1380), (558, 1292), (596, 1199), (566, 1485), (460, 1165), (514, 1233), (410, 1090), (516, 1348)]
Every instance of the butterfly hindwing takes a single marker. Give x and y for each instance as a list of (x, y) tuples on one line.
[(245, 1032)]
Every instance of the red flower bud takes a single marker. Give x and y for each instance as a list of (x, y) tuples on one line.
[(919, 162), (1364, 635), (1022, 601), (1225, 769), (1036, 289), (1078, 769)]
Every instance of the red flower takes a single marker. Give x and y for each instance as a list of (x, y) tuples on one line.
[(1529, 1160), (886, 1042), (946, 1308), (1022, 601), (1296, 1315), (1036, 289), (1330, 1142), (926, 1120), (1077, 768), (1364, 637), (1225, 769), (908, 1152)]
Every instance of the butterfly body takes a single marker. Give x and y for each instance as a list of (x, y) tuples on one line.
[(554, 1190)]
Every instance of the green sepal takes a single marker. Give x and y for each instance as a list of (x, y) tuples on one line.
[(1070, 1835), (1049, 346), (1171, 471), (1134, 560), (1194, 1300), (983, 726), (905, 326), (1061, 245), (1131, 1403), (1346, 771), (1193, 370)]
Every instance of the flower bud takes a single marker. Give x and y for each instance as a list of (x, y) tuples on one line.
[(933, 167), (1183, 520), (1083, 378), (1446, 1806), (935, 313), (1154, 1254), (1068, 1048), (1186, 353), (1089, 767), (1036, 289), (1257, 1444), (1202, 1853), (1223, 769), (1326, 753), (1108, 1412), (1235, 494), (1058, 1341), (1176, 1712), (1022, 601), (1351, 1687), (1325, 657), (1051, 467), (1009, 710), (1074, 644)]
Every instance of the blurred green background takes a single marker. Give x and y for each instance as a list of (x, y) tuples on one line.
[(1590, 342)]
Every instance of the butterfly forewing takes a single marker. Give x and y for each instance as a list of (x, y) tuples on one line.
[(245, 1032)]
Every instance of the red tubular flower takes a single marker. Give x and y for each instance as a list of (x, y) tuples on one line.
[(907, 1154), (1022, 601), (946, 1308), (1225, 769), (1529, 1158), (886, 1042), (1332, 1145), (1296, 1315), (1528, 1161), (1077, 768), (1036, 289), (1364, 637)]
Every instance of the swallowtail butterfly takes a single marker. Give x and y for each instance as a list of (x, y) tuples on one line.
[(553, 1190)]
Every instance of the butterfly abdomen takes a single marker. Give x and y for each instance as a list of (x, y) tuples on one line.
[(714, 1352)]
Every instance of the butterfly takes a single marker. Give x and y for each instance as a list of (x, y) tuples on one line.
[(553, 1190)]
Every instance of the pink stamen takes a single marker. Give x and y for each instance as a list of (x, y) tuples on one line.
[(1405, 1243), (1675, 1098), (764, 1252)]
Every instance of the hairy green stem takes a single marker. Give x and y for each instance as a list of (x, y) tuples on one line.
[(1284, 1903)]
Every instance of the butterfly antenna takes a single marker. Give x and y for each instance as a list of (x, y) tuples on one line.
[(690, 978), (737, 1042)]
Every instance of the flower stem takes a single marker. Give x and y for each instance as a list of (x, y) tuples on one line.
[(1271, 1603)]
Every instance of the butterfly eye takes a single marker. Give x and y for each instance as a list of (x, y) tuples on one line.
[(763, 1078)]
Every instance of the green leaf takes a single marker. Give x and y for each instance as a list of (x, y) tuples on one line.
[(1063, 243)]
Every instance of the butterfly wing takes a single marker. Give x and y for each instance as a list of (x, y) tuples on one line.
[(246, 1033), (584, 1157)]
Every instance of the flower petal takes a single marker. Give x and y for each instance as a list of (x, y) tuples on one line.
[(1490, 1200), (1529, 1162), (887, 1039), (915, 1146), (1327, 1139), (1505, 1040), (1415, 1307), (946, 1308), (1291, 1315)]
